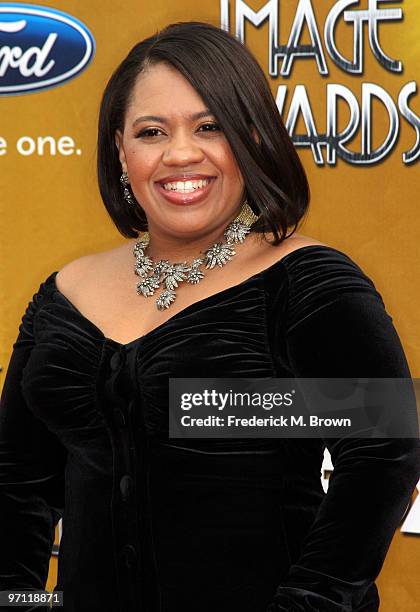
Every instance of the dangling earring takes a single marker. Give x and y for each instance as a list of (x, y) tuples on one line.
[(126, 192)]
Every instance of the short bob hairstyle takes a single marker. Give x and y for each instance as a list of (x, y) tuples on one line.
[(232, 84)]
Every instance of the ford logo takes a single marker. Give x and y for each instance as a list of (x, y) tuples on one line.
[(40, 48)]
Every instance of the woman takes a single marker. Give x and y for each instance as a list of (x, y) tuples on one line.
[(192, 151)]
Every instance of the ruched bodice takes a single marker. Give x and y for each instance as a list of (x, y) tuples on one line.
[(155, 524)]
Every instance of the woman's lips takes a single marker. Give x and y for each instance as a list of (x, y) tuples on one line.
[(176, 197)]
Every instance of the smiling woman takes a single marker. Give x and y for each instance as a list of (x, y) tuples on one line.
[(164, 154), (197, 113), (196, 168)]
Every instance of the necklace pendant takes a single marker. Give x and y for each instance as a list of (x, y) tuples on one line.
[(165, 299), (236, 232), (174, 274), (148, 285), (140, 247), (219, 254), (195, 274), (197, 262), (143, 265), (161, 266)]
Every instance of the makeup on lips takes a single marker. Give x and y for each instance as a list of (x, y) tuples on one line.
[(185, 189)]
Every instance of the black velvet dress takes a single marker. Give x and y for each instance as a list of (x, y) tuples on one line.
[(155, 524)]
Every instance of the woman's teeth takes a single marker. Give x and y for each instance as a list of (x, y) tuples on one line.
[(186, 186)]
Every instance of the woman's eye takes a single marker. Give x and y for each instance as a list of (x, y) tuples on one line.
[(212, 125), (147, 133)]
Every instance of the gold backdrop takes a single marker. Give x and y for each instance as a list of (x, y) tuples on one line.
[(51, 211)]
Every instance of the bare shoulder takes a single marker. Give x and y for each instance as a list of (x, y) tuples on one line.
[(77, 274), (298, 241), (73, 272)]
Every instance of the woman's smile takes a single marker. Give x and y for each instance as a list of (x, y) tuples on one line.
[(185, 192)]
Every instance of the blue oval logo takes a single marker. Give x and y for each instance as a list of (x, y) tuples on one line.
[(40, 48)]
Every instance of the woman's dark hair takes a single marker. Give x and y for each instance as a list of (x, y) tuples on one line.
[(232, 84)]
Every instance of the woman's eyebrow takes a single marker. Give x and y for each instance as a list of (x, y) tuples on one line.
[(193, 117)]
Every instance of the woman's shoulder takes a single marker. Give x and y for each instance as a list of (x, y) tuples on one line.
[(72, 272), (301, 256), (305, 249), (319, 275), (305, 256), (71, 275), (77, 273)]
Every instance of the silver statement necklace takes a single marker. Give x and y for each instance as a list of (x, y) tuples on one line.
[(166, 274)]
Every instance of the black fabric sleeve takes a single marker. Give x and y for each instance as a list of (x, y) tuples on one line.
[(32, 464), (337, 326)]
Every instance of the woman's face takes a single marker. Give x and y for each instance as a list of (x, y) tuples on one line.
[(171, 146)]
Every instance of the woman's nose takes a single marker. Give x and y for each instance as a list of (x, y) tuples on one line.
[(182, 150)]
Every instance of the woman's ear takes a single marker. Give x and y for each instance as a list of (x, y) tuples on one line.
[(119, 145), (255, 135)]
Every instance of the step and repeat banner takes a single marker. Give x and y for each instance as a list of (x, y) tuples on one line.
[(343, 74)]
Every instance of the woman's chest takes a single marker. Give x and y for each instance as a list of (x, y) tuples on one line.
[(75, 376)]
